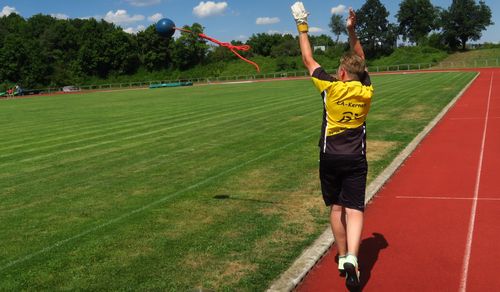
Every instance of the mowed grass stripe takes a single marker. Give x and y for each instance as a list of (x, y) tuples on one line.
[(75, 104), (277, 213), (187, 111), (144, 123), (138, 146), (57, 131), (171, 143), (81, 178), (216, 174), (124, 124), (404, 90), (121, 140), (145, 129), (172, 97), (68, 173), (165, 112)]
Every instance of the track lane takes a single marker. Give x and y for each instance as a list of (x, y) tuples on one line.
[(483, 269)]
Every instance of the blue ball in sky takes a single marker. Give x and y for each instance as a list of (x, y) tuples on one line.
[(165, 27)]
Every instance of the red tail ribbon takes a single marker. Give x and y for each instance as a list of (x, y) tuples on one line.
[(230, 46)]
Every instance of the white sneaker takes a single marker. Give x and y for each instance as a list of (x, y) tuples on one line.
[(351, 269), (341, 263)]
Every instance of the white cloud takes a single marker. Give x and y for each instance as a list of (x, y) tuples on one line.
[(155, 17), (313, 29), (7, 10), (267, 20), (209, 8), (122, 17), (142, 3), (339, 9), (59, 16), (242, 37), (132, 30), (281, 32)]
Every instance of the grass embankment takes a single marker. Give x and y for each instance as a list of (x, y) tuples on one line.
[(211, 187), (473, 58), (411, 55)]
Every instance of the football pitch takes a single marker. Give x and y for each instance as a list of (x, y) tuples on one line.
[(209, 187)]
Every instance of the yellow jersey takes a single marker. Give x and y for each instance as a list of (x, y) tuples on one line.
[(346, 106)]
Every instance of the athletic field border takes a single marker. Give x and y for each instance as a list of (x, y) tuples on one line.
[(292, 277)]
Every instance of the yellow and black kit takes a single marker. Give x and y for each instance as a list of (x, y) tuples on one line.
[(346, 105)]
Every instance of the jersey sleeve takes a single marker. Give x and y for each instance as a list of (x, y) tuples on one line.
[(321, 79)]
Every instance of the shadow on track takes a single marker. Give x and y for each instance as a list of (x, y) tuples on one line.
[(368, 255)]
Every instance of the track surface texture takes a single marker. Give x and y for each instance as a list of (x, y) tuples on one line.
[(434, 225)]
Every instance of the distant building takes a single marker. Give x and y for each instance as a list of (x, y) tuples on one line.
[(323, 48)]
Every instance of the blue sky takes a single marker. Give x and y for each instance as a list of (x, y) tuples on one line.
[(223, 19)]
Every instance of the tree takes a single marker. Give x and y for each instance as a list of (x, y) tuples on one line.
[(154, 50), (288, 46), (416, 19), (321, 40), (262, 43), (14, 58), (337, 26), (373, 29), (465, 20), (189, 50)]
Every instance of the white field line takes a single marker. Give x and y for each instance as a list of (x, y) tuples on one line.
[(446, 198), (148, 206), (478, 118), (470, 233), (235, 82)]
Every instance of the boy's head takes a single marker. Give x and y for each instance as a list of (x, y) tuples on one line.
[(351, 67)]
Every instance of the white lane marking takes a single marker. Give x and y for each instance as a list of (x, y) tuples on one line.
[(473, 118), (470, 234), (446, 198)]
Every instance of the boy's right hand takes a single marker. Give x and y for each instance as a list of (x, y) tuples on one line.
[(300, 15)]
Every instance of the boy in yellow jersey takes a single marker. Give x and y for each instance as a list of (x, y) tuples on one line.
[(343, 166)]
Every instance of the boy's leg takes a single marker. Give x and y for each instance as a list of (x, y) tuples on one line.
[(338, 223), (354, 228)]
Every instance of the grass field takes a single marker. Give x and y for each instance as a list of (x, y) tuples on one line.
[(211, 187)]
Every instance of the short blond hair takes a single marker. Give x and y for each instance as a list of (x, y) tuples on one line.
[(353, 65)]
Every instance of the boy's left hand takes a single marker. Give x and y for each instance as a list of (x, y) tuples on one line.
[(351, 20)]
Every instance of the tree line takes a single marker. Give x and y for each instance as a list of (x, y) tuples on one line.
[(420, 23), (45, 51)]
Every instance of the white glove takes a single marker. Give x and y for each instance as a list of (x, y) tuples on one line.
[(300, 14)]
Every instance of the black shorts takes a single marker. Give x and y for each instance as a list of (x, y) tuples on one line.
[(343, 180)]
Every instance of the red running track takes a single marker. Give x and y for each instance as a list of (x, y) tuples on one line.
[(435, 225)]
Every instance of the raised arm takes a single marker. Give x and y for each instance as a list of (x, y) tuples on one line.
[(300, 15), (353, 38)]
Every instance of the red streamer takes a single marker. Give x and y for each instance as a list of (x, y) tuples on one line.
[(230, 46)]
